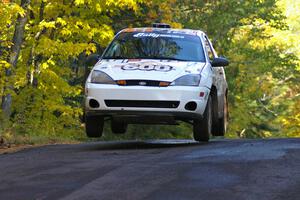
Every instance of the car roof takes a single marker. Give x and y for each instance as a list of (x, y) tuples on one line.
[(164, 30)]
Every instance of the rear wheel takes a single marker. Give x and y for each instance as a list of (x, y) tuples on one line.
[(202, 127), (94, 126), (118, 127), (222, 122)]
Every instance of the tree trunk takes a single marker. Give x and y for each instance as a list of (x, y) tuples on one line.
[(37, 58), (13, 58)]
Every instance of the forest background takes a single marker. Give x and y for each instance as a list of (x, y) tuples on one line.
[(44, 44)]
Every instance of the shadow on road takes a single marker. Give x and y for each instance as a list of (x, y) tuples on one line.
[(142, 144)]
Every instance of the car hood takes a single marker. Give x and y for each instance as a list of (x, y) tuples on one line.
[(145, 69)]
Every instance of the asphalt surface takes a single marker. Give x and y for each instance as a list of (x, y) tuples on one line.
[(163, 169)]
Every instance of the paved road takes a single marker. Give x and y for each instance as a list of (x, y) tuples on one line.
[(164, 169)]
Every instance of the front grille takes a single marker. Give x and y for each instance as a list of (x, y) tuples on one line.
[(146, 82), (142, 104), (142, 83)]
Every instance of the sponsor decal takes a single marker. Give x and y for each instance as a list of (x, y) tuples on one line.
[(183, 31), (146, 66), (170, 33), (156, 35)]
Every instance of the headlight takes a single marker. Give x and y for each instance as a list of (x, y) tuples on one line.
[(187, 80), (101, 77)]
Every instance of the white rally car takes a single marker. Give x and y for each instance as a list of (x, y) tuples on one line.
[(158, 75)]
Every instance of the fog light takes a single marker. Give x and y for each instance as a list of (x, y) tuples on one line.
[(94, 103), (191, 106)]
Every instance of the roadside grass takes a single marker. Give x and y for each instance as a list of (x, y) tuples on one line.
[(144, 132), (11, 137)]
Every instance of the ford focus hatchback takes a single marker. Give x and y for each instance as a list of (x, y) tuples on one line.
[(158, 75)]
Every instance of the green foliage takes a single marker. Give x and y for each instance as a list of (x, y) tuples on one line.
[(48, 78), (263, 70)]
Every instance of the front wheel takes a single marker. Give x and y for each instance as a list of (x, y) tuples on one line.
[(94, 126), (202, 127)]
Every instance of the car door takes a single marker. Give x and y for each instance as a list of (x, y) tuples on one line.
[(219, 79)]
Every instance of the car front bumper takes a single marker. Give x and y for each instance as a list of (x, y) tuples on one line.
[(145, 101)]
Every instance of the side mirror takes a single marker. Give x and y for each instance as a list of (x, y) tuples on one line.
[(92, 59), (219, 62)]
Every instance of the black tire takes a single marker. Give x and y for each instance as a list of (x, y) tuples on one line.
[(222, 122), (202, 127), (118, 127), (215, 113), (94, 126)]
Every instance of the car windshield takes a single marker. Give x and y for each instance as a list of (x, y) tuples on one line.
[(155, 45)]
